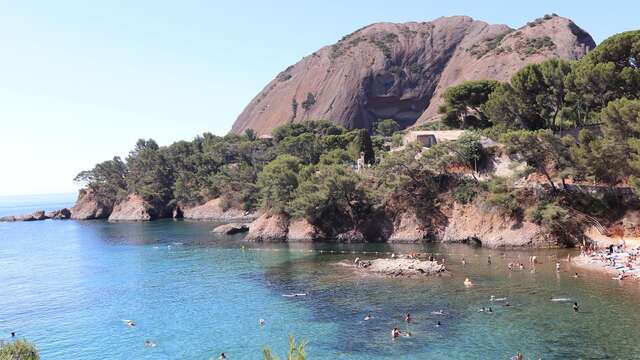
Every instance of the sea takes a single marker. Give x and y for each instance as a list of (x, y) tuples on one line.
[(68, 286)]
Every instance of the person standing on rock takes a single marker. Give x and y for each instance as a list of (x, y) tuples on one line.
[(407, 318)]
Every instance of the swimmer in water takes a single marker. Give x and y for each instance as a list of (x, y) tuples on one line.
[(576, 307), (464, 262), (490, 309), (395, 333), (149, 343), (467, 282), (368, 317), (407, 318), (13, 334), (222, 357), (129, 323), (557, 267), (438, 324), (261, 322), (576, 275), (489, 260)]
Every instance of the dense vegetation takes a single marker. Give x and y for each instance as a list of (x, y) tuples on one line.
[(569, 122), (18, 350)]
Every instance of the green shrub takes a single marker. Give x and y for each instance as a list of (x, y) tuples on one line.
[(18, 350), (465, 191)]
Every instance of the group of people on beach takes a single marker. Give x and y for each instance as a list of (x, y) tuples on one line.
[(618, 259)]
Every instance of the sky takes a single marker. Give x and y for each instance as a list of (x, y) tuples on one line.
[(81, 81)]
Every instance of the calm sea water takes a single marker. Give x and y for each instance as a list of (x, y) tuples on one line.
[(67, 286)]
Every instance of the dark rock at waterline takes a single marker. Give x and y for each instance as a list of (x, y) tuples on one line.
[(351, 236), (39, 215), (61, 214), (231, 229)]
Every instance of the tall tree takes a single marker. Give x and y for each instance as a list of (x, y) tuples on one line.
[(462, 106)]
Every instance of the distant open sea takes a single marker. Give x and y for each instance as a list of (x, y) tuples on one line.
[(24, 204), (68, 285)]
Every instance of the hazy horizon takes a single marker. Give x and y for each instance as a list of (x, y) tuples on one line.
[(82, 82)]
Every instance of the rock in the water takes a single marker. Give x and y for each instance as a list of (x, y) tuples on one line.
[(473, 222), (133, 208), (302, 230), (231, 229), (88, 207), (400, 71), (61, 214), (213, 210), (35, 216), (404, 267), (268, 228)]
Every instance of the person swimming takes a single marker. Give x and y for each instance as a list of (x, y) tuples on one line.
[(576, 307), (464, 262), (576, 275), (438, 324), (490, 309), (368, 317), (557, 266), (13, 334), (149, 343), (222, 357), (489, 260), (395, 332), (129, 323), (261, 322), (467, 282), (407, 318)]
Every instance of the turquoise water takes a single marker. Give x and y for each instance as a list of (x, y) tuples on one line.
[(67, 285)]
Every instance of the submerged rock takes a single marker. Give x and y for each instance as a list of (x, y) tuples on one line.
[(269, 228), (405, 267), (231, 229)]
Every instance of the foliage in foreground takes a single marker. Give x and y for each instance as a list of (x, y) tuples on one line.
[(295, 351), (18, 350)]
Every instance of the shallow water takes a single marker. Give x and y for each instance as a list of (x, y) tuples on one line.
[(67, 286)]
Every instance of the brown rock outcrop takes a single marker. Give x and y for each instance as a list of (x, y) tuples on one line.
[(473, 222), (268, 228), (88, 207), (231, 229), (61, 214), (212, 210), (133, 208), (408, 229), (399, 71), (303, 230)]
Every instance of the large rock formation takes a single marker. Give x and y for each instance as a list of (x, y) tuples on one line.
[(88, 207), (133, 208), (269, 228), (302, 230), (400, 71), (474, 223), (213, 210)]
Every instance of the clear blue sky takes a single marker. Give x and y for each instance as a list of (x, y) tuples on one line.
[(80, 81)]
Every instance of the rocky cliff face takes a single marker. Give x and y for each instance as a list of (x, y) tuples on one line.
[(213, 210), (399, 71), (473, 223), (87, 207), (133, 208)]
